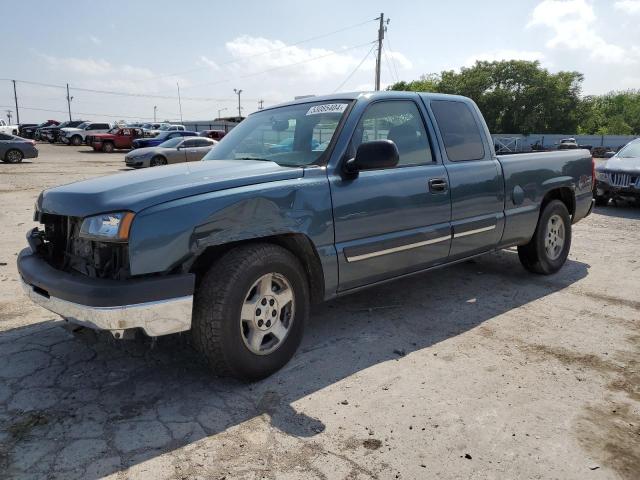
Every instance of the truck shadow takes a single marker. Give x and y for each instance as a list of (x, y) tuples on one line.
[(86, 407)]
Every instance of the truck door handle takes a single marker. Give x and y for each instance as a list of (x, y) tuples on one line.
[(438, 185)]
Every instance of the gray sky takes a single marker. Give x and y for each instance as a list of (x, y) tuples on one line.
[(274, 50)]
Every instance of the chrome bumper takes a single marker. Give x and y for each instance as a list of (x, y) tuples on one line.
[(155, 318)]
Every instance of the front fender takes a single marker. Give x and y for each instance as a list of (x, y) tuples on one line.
[(165, 236)]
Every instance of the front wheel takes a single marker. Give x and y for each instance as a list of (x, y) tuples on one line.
[(107, 147), (547, 251), (250, 310), (157, 161), (76, 140)]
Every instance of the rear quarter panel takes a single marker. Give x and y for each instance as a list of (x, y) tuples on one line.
[(528, 177)]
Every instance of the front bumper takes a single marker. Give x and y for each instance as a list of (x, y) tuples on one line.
[(158, 305), (136, 162), (604, 189)]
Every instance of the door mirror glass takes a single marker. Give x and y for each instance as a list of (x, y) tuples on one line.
[(374, 155)]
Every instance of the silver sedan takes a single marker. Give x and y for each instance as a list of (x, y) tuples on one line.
[(175, 150)]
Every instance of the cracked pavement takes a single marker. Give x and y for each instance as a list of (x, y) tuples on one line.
[(479, 370)]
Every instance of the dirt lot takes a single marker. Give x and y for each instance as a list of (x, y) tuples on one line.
[(476, 371)]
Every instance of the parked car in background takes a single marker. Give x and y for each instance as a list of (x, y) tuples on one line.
[(151, 129), (8, 129), (116, 138), (161, 137), (619, 176), (568, 144), (30, 132), (52, 132), (166, 127), (175, 150), (237, 247), (76, 136), (13, 148), (213, 134), (23, 126)]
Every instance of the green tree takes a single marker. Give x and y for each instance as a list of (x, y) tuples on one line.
[(515, 96)]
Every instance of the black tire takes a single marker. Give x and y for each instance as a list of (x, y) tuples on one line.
[(217, 328), (534, 256), (602, 201), (76, 140), (107, 147), (157, 161), (13, 156)]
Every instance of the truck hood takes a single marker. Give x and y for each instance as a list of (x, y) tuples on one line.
[(629, 165), (71, 129), (140, 189)]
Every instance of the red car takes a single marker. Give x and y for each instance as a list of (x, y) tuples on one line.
[(214, 134), (117, 138)]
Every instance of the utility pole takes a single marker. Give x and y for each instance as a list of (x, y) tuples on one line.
[(155, 109), (260, 103), (220, 111), (15, 97), (238, 92), (9, 116), (69, 98), (381, 31), (179, 101)]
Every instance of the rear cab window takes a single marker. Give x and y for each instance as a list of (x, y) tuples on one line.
[(459, 130)]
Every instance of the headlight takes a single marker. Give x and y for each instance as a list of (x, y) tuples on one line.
[(601, 176), (112, 227)]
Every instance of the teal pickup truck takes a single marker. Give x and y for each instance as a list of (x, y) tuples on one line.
[(369, 187)]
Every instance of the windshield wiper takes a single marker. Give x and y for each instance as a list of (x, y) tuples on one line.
[(254, 158)]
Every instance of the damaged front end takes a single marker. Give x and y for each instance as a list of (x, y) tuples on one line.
[(61, 244)]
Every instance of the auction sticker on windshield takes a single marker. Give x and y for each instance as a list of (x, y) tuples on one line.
[(327, 108)]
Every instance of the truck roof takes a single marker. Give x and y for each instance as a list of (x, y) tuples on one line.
[(370, 96)]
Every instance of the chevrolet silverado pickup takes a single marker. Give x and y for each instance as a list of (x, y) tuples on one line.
[(235, 248)]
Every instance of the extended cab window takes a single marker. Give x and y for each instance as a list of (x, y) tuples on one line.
[(459, 130), (400, 122)]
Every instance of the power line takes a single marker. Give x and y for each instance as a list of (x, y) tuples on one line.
[(239, 59), (355, 69), (124, 94), (388, 62), (393, 60), (283, 66)]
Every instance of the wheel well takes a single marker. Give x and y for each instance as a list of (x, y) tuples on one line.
[(297, 244), (565, 195)]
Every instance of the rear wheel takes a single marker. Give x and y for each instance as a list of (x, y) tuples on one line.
[(13, 156), (157, 161), (107, 147), (547, 251), (250, 310)]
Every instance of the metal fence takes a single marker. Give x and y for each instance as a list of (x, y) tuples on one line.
[(511, 143)]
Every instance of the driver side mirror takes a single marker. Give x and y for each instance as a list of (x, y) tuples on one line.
[(374, 155)]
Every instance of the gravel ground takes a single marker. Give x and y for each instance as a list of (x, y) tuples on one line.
[(476, 371)]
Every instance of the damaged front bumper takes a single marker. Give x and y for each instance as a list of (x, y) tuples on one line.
[(158, 305)]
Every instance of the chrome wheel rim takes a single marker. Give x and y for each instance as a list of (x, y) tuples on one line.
[(13, 156), (267, 314), (554, 237)]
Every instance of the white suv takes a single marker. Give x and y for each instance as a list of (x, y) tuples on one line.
[(76, 136)]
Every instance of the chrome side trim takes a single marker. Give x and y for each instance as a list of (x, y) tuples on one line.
[(155, 318), (401, 248), (473, 232)]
